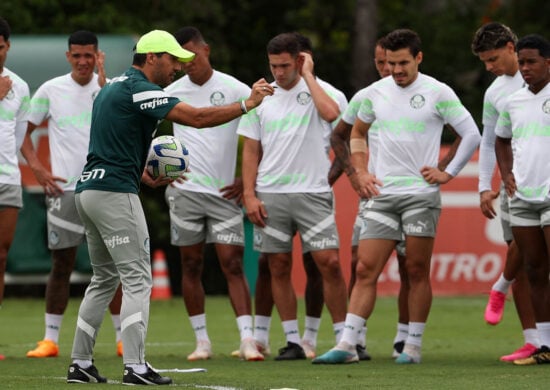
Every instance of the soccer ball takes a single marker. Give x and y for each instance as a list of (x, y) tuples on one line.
[(167, 156)]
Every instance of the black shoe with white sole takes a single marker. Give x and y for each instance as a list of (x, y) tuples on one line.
[(78, 374), (151, 377)]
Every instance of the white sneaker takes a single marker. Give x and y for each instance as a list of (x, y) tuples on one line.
[(249, 351), (410, 355), (202, 352), (309, 349), (263, 348)]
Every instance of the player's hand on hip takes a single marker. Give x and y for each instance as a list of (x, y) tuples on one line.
[(233, 191), (434, 176)]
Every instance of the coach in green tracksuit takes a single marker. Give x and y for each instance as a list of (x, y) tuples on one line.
[(124, 120)]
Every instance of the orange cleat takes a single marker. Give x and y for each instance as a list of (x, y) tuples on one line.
[(119, 349), (45, 348)]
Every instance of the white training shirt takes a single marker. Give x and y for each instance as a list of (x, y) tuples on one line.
[(495, 96), (67, 106), (410, 122), (13, 126), (339, 97), (213, 150), (526, 119), (291, 133), (350, 115)]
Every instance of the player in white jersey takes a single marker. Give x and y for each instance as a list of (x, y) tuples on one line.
[(494, 44), (66, 103), (206, 207), (313, 295), (410, 109), (284, 191), (14, 100), (340, 145), (522, 144)]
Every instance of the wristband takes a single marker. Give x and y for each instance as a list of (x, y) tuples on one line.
[(357, 145), (243, 107)]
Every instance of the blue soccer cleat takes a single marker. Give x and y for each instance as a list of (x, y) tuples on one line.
[(337, 356)]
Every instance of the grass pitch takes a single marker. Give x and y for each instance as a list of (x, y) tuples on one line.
[(459, 351)]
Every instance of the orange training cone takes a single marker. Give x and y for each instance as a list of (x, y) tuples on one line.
[(161, 282)]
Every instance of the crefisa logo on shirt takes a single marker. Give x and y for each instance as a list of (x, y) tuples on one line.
[(417, 101), (303, 98), (217, 98), (546, 107)]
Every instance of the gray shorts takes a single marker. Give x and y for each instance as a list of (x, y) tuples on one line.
[(360, 230), (11, 196), (392, 216), (116, 230), (529, 214), (65, 228), (200, 217), (505, 215), (310, 214)]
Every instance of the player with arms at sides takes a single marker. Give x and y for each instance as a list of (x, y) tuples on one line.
[(402, 195), (125, 117), (14, 104), (66, 102), (494, 44), (284, 192), (314, 281), (522, 144), (206, 207)]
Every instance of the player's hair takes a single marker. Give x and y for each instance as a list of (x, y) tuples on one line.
[(284, 43), (82, 38), (492, 36), (5, 29), (403, 39), (535, 41), (381, 42), (189, 34), (304, 42)]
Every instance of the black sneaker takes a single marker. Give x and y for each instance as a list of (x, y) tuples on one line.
[(398, 349), (540, 356), (362, 352), (292, 351), (78, 374), (151, 377)]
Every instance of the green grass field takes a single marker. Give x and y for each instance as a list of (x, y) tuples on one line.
[(459, 351)]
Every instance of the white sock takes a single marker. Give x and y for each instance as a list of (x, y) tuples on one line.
[(139, 368), (402, 332), (352, 327), (116, 324), (198, 323), (362, 336), (82, 363), (543, 329), (416, 331), (502, 284), (311, 329), (53, 325), (338, 328), (531, 336), (292, 333), (244, 323), (262, 325)]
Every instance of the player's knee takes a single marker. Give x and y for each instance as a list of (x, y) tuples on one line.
[(232, 267)]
